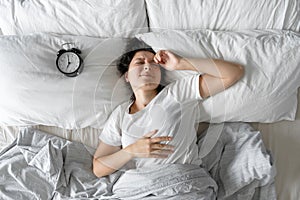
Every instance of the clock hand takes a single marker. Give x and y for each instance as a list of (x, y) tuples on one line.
[(68, 62)]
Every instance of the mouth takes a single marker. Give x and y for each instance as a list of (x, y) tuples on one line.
[(145, 75)]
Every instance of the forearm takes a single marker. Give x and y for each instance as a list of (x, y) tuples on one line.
[(108, 164), (217, 68)]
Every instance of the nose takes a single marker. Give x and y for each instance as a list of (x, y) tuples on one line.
[(150, 66), (146, 67)]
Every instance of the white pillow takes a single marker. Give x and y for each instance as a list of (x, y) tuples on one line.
[(105, 18), (267, 92), (223, 15), (33, 91)]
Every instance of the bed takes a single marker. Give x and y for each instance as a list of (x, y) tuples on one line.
[(51, 122)]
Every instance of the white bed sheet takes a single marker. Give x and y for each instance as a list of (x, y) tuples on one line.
[(88, 136), (282, 138)]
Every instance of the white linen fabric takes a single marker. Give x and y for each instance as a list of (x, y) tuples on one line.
[(87, 136), (172, 112), (238, 149), (223, 15), (60, 169), (169, 181), (268, 90), (105, 18), (35, 92)]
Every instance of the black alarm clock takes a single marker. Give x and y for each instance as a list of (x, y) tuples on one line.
[(69, 62)]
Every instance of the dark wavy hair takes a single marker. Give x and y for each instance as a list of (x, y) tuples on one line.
[(133, 46)]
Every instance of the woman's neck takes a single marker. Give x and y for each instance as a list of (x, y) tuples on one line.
[(142, 99)]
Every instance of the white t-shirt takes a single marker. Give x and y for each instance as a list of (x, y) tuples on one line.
[(172, 112)]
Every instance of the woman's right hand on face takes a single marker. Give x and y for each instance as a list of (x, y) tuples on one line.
[(167, 59), (147, 147)]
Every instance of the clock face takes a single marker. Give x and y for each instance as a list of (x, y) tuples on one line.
[(68, 62)]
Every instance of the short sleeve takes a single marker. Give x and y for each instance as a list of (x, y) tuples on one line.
[(186, 89), (111, 133)]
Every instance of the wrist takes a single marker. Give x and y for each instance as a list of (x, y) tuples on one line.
[(127, 150), (184, 64)]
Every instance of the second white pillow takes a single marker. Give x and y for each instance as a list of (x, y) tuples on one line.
[(267, 92)]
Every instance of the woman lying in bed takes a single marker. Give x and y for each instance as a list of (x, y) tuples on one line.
[(157, 125)]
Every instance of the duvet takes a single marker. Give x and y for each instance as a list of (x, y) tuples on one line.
[(235, 166)]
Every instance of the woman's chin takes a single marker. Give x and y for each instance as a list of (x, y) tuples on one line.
[(149, 86)]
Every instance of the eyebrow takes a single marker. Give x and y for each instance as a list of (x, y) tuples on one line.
[(139, 58)]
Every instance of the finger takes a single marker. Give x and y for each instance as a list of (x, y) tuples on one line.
[(158, 156), (163, 153), (158, 52), (160, 139), (162, 54), (170, 53), (164, 58), (150, 134), (167, 53), (156, 60), (162, 147), (158, 56)]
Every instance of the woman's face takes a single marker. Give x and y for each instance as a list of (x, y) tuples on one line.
[(143, 72)]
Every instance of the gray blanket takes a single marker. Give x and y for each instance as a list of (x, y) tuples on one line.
[(42, 166)]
